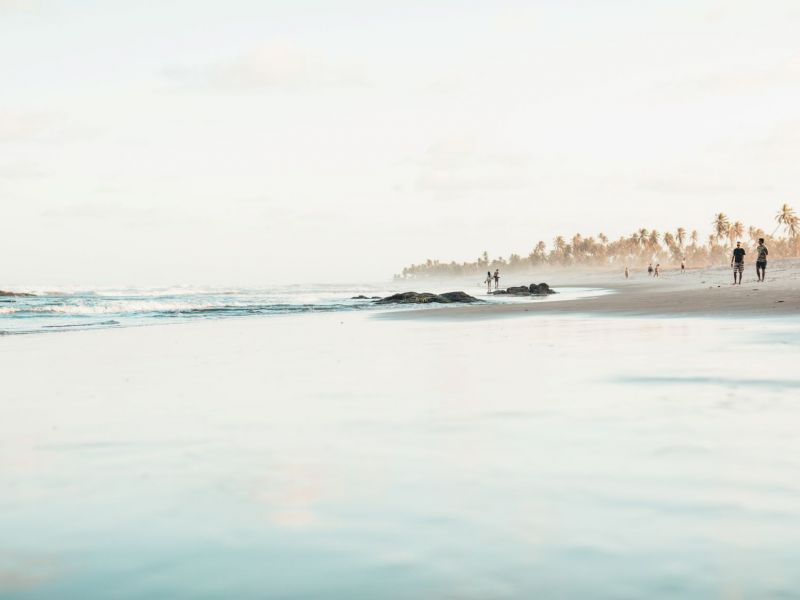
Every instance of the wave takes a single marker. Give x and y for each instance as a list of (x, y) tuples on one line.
[(70, 310), (166, 308)]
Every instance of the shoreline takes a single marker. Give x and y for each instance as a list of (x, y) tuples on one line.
[(705, 292)]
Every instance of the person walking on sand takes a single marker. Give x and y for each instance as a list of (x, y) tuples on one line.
[(650, 269), (497, 279), (655, 272), (489, 281), (761, 260), (737, 262), (626, 271)]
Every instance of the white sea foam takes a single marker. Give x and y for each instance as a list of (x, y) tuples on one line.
[(70, 308)]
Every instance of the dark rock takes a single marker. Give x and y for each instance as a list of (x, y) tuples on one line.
[(534, 289), (359, 297), (427, 298), (518, 291), (458, 297), (541, 289), (16, 295)]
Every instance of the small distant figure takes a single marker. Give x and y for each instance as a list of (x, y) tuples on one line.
[(497, 279), (656, 270), (650, 269), (737, 262), (683, 265), (761, 260), (626, 272), (488, 281)]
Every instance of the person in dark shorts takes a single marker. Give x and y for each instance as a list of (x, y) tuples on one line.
[(657, 270), (497, 279), (737, 262), (761, 260), (650, 269)]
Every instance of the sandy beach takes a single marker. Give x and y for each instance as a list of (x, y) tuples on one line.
[(354, 456), (699, 292)]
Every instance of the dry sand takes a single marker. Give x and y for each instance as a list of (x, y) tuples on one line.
[(700, 292)]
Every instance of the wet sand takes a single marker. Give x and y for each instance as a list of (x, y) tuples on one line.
[(347, 457)]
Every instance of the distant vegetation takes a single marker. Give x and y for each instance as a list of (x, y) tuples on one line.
[(640, 248)]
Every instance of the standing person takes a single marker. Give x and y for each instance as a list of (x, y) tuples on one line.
[(626, 271), (655, 273), (496, 278), (737, 262), (650, 269), (761, 260), (488, 281), (683, 265)]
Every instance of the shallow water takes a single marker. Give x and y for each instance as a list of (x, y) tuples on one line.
[(72, 309), (340, 456)]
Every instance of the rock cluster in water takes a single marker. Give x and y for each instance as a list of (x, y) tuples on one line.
[(4, 294), (363, 297), (427, 298), (534, 289)]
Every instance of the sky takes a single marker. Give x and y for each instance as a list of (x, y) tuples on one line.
[(256, 142)]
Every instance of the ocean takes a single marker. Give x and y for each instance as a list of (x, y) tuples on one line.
[(50, 310)]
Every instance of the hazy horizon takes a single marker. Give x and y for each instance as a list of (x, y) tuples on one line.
[(268, 143)]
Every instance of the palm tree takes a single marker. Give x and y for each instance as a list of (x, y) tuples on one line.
[(654, 237), (642, 244), (736, 231), (721, 225), (793, 227), (577, 244), (784, 217)]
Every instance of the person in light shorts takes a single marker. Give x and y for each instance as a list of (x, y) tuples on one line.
[(737, 262)]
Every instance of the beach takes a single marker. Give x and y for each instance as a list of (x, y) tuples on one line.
[(697, 292), (586, 448)]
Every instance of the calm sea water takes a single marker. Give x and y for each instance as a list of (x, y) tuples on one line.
[(339, 456), (63, 309)]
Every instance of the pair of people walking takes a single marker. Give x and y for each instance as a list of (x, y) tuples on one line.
[(490, 278), (737, 262)]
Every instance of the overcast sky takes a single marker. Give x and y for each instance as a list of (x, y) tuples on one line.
[(257, 142)]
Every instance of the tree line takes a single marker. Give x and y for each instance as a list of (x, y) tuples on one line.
[(637, 249)]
